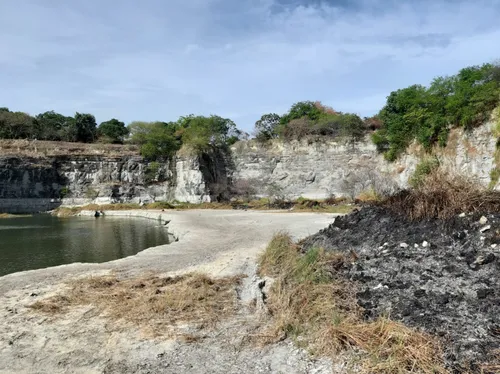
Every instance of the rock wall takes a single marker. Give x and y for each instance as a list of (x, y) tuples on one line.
[(307, 168), (37, 184), (319, 169)]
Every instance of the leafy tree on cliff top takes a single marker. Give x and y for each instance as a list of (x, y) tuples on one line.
[(156, 139), (307, 118), (16, 125), (53, 126), (85, 128), (267, 126), (112, 131), (202, 133), (427, 114)]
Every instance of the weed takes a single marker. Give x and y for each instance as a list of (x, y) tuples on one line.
[(150, 302), (310, 301)]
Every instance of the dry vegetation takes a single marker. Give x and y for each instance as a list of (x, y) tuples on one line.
[(41, 148), (309, 302), (154, 304), (300, 205), (443, 194), (8, 215)]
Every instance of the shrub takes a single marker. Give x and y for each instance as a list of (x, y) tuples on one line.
[(444, 194), (151, 173), (310, 299), (427, 114), (424, 168)]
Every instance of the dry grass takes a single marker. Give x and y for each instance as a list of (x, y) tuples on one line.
[(443, 195), (309, 300), (8, 215), (41, 148), (300, 205), (151, 303)]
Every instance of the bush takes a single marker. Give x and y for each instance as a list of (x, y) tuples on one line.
[(424, 168), (308, 118), (427, 114), (112, 131), (444, 195)]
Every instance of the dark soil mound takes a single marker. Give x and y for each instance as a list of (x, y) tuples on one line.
[(440, 276)]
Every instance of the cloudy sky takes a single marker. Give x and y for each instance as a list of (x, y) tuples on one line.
[(159, 59)]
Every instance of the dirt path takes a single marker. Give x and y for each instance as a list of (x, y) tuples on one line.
[(219, 243)]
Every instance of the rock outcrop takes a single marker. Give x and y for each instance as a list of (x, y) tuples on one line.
[(38, 184), (318, 169), (309, 168)]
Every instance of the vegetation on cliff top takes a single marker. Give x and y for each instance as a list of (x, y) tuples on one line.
[(425, 114), (308, 118)]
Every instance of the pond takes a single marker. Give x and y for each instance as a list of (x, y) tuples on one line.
[(43, 240)]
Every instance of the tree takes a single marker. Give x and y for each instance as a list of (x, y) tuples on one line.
[(16, 125), (53, 126), (156, 139), (266, 127), (309, 109), (427, 114), (202, 133), (85, 128), (112, 131)]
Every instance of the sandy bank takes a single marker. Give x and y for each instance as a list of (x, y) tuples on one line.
[(217, 242)]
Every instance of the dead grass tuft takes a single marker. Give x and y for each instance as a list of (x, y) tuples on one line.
[(43, 148), (310, 302), (150, 302), (8, 215), (443, 195)]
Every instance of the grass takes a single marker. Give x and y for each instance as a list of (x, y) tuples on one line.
[(312, 304), (42, 148), (443, 194), (300, 205), (8, 215), (151, 303)]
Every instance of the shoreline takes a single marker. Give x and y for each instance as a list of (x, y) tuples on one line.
[(217, 244), (188, 227)]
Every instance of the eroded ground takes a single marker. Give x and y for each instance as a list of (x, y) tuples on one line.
[(63, 320)]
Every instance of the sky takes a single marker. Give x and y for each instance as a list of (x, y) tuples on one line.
[(160, 59)]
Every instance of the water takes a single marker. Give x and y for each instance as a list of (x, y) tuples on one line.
[(43, 240)]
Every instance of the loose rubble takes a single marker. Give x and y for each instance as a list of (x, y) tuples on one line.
[(440, 276)]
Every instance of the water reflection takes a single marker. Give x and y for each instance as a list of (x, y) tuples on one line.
[(42, 241)]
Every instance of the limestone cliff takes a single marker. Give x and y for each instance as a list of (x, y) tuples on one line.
[(318, 169), (30, 184), (308, 168)]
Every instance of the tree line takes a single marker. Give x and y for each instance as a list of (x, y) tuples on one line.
[(309, 118), (425, 114), (155, 139), (57, 127)]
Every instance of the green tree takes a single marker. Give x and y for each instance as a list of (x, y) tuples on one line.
[(309, 109), (202, 133), (16, 125), (156, 139), (428, 114), (53, 126), (266, 127), (112, 131), (85, 128)]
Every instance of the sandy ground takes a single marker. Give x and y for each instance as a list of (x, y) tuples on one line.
[(219, 243)]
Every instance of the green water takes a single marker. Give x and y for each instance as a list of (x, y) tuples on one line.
[(43, 240)]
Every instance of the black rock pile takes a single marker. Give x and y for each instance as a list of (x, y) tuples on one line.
[(442, 277)]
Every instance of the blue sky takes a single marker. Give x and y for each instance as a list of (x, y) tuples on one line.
[(160, 59)]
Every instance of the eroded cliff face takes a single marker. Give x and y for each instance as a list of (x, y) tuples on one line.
[(307, 168), (319, 169), (39, 184)]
